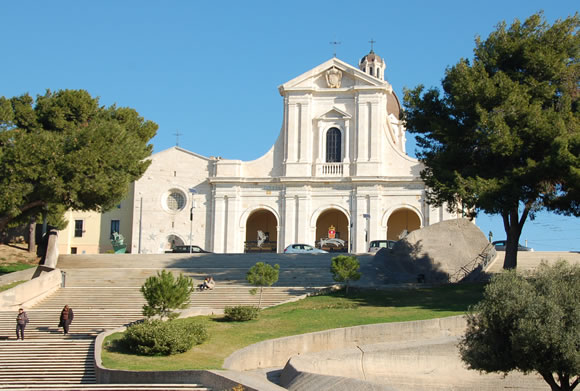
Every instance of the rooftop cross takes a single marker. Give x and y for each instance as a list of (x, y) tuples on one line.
[(372, 42), (335, 43), (177, 134)]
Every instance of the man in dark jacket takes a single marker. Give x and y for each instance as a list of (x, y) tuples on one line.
[(66, 318), (21, 321)]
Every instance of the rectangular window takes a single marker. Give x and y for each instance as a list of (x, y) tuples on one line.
[(73, 250), (78, 228), (115, 226)]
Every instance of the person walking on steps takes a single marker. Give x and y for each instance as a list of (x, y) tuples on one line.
[(21, 321), (66, 318)]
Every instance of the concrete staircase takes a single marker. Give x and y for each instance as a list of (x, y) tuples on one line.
[(103, 292)]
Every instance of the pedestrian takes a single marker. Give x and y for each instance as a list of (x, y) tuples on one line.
[(66, 318), (21, 321)]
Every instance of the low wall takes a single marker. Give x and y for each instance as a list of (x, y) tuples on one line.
[(44, 282), (276, 352), (22, 275), (218, 380)]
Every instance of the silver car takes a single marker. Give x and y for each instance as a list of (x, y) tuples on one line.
[(303, 249)]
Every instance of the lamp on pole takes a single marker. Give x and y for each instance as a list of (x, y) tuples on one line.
[(140, 220), (192, 191)]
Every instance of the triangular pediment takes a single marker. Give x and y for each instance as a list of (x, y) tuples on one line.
[(334, 114), (317, 79)]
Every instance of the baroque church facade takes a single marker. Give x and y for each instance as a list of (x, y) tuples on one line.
[(338, 170)]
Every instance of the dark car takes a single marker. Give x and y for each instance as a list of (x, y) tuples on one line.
[(500, 245), (187, 249), (376, 245)]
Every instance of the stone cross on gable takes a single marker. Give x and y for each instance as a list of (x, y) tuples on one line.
[(334, 43), (177, 134)]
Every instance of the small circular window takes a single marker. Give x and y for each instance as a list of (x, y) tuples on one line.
[(175, 201)]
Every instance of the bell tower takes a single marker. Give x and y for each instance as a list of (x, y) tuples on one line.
[(373, 64)]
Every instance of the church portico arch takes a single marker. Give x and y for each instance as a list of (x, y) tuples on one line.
[(261, 226), (331, 222), (401, 219), (173, 240)]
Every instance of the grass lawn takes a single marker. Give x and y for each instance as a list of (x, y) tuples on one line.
[(14, 267), (315, 313), (11, 285)]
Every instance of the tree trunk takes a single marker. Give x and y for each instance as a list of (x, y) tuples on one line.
[(32, 236), (513, 225), (5, 219)]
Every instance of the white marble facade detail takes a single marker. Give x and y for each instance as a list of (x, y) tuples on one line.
[(365, 186)]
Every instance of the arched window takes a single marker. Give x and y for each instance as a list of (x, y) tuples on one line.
[(333, 146)]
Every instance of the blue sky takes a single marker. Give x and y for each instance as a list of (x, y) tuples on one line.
[(210, 72)]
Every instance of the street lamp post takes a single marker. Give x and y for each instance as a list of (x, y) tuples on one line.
[(367, 217), (192, 191), (140, 221)]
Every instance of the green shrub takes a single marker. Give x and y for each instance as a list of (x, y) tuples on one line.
[(155, 337), (241, 313)]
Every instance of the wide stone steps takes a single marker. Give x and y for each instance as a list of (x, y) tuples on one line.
[(107, 387), (103, 292), (86, 324), (112, 278), (46, 362)]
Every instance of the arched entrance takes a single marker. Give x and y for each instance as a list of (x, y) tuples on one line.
[(261, 232), (401, 221), (172, 241), (331, 223)]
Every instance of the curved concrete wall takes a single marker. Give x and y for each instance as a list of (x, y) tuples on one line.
[(217, 380), (276, 352)]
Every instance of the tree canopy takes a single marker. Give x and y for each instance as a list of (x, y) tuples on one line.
[(262, 274), (503, 137), (528, 324), (63, 150), (345, 268), (164, 293)]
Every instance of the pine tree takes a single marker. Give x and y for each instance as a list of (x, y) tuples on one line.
[(344, 268), (261, 275), (164, 293), (66, 151), (504, 138)]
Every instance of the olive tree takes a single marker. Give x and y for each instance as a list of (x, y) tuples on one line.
[(528, 324)]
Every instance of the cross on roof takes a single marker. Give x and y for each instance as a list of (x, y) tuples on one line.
[(177, 134), (372, 42), (334, 43)]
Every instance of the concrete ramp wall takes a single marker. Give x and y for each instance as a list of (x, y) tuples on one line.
[(276, 352), (44, 282)]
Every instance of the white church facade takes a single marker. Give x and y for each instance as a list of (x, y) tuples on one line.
[(337, 170)]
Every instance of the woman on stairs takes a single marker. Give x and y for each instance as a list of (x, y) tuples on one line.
[(66, 318), (21, 321)]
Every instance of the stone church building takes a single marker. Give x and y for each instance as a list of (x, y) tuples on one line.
[(338, 169)]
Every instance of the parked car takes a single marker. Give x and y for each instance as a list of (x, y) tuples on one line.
[(500, 245), (376, 245), (186, 249), (302, 248)]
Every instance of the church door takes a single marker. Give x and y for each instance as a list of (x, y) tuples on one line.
[(332, 233), (402, 222), (261, 232)]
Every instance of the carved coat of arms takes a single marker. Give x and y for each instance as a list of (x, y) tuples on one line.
[(333, 78)]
